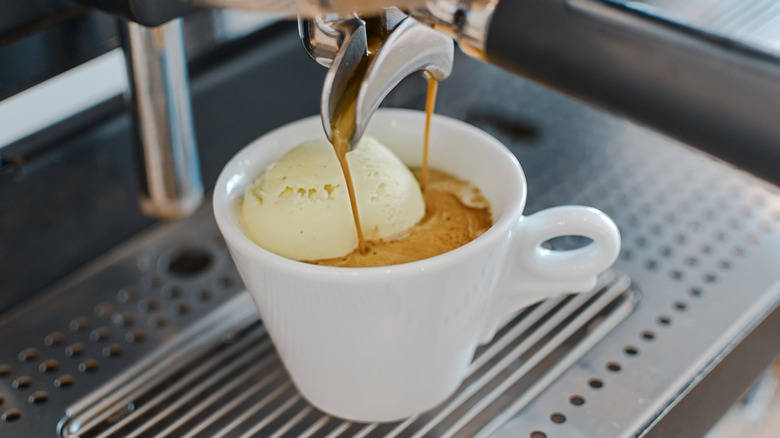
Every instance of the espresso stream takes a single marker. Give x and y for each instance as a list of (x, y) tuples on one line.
[(430, 105), (342, 128), (455, 211), (455, 214), (343, 117)]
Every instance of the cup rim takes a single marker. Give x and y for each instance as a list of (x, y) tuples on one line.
[(234, 236)]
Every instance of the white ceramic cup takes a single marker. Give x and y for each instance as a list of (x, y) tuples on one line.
[(386, 343)]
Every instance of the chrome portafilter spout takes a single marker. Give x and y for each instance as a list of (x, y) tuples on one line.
[(367, 58)]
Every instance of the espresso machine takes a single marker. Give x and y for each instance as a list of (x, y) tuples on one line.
[(122, 314)]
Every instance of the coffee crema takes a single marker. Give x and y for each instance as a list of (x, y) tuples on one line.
[(456, 213)]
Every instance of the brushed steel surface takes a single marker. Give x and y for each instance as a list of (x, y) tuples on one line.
[(755, 22), (236, 385), (700, 241), (117, 317)]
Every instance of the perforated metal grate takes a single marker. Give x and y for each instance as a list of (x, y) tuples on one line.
[(237, 386), (73, 340), (755, 22), (700, 240)]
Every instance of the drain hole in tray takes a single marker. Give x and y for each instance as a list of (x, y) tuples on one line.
[(189, 261)]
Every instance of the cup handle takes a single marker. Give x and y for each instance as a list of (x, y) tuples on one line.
[(534, 273)]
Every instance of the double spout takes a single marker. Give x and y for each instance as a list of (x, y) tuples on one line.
[(367, 59)]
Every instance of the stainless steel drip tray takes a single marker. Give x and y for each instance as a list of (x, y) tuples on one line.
[(159, 339), (73, 340), (159, 335), (225, 378)]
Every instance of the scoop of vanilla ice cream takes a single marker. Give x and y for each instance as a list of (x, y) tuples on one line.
[(299, 208)]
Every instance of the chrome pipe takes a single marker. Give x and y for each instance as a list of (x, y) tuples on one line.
[(169, 169)]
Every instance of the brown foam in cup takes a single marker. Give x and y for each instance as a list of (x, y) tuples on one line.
[(456, 213)]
